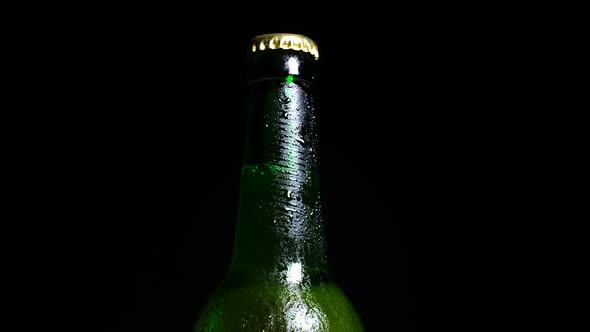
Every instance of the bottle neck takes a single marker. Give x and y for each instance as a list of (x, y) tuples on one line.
[(280, 227)]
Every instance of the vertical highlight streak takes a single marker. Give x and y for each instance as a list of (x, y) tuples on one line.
[(300, 315)]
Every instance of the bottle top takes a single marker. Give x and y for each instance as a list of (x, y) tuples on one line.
[(286, 41)]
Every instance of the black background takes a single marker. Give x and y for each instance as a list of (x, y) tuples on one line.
[(453, 200)]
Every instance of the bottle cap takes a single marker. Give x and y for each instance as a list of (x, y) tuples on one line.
[(286, 41)]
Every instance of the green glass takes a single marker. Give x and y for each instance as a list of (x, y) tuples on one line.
[(279, 279)]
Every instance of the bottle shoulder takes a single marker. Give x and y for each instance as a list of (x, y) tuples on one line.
[(271, 305)]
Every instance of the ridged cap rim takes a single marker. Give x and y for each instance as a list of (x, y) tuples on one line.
[(286, 41)]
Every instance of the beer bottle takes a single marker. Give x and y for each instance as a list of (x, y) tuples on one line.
[(278, 279)]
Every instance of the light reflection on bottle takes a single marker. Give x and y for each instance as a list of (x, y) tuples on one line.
[(292, 157), (300, 314), (293, 66), (294, 273)]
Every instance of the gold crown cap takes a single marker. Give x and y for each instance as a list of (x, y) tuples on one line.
[(286, 41)]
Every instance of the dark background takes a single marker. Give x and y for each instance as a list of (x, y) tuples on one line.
[(454, 186)]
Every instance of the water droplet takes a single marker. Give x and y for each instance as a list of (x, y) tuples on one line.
[(289, 193)]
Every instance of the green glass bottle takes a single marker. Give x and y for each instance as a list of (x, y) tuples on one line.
[(278, 279)]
